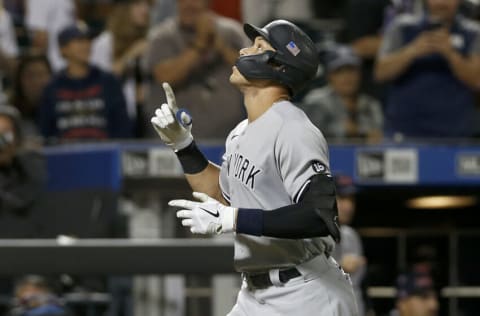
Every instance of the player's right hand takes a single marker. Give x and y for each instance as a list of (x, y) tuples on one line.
[(172, 124), (208, 216)]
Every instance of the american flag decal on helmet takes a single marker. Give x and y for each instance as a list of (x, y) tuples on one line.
[(292, 48)]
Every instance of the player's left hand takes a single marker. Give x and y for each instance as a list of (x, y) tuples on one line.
[(208, 216)]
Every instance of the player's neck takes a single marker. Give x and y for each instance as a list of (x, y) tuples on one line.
[(259, 100)]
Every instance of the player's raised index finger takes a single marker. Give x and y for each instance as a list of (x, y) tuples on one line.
[(172, 103)]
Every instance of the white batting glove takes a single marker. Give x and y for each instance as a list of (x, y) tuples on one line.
[(174, 133), (207, 216)]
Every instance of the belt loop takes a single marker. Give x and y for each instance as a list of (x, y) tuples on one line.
[(274, 275)]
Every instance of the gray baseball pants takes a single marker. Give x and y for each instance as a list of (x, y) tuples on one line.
[(323, 289)]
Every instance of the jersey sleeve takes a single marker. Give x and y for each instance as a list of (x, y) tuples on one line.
[(300, 152)]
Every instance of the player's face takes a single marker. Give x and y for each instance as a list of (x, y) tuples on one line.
[(259, 46), (443, 10), (425, 305)]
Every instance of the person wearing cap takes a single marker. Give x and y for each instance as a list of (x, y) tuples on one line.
[(339, 109), (416, 295), (349, 251), (82, 102)]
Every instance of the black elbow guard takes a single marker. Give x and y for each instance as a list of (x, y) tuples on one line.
[(321, 197), (316, 215)]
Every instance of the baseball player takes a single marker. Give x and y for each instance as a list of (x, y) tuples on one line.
[(273, 190)]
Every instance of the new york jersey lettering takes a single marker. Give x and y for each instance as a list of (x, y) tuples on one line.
[(242, 169)]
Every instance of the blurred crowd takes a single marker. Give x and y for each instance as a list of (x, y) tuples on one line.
[(84, 70), (92, 70)]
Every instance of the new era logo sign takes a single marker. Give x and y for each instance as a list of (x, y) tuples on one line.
[(468, 164), (292, 48), (370, 165), (389, 165)]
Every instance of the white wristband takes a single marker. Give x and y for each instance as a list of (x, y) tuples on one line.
[(228, 219)]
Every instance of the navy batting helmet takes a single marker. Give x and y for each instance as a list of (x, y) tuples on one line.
[(294, 62)]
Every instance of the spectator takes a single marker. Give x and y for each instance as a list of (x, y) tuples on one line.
[(33, 297), (33, 74), (415, 296), (82, 102), (8, 49), (433, 65), (195, 53), (119, 48), (339, 109), (21, 183), (22, 178), (363, 31), (45, 19), (349, 252)]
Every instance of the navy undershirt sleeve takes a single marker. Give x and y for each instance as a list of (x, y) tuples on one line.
[(294, 221)]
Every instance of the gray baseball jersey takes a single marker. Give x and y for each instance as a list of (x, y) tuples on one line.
[(267, 165)]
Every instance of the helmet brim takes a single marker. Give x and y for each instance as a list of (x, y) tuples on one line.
[(252, 32)]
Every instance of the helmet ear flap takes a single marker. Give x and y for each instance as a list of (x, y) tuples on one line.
[(256, 66), (267, 56), (268, 65)]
